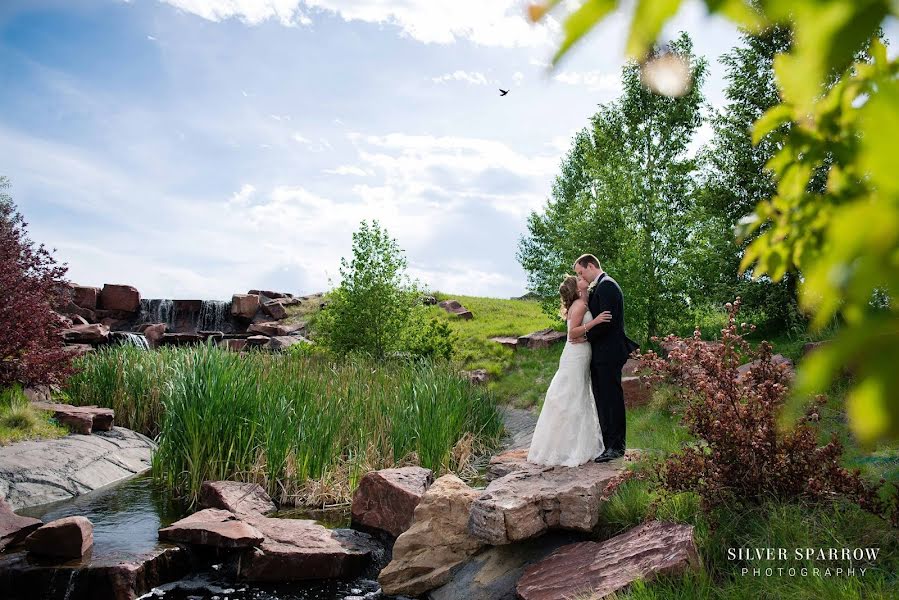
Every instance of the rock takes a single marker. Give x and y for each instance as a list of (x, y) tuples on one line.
[(76, 350), (386, 499), (72, 310), (85, 297), (493, 573), (212, 527), (778, 359), (123, 298), (506, 342), (525, 504), (437, 543), (233, 344), (477, 376), (269, 294), (812, 346), (236, 496), (39, 393), (70, 537), (299, 549), (280, 342), (636, 393), (80, 419), (455, 308), (181, 339), (244, 306), (274, 309), (65, 322), (599, 569), (13, 528), (258, 340), (40, 471), (508, 462), (86, 334), (542, 339), (78, 320), (630, 367), (272, 329), (428, 300), (668, 346), (154, 334)]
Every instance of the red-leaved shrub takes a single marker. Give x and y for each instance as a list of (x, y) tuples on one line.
[(31, 283), (740, 454)]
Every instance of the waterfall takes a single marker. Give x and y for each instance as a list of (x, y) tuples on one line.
[(157, 311), (214, 315), (138, 340)]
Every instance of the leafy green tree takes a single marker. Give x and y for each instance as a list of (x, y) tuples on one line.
[(372, 308), (625, 193), (844, 240)]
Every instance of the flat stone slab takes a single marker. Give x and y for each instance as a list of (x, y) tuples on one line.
[(236, 496), (602, 568), (526, 503), (542, 339), (212, 527), (516, 459), (80, 419), (386, 499), (14, 528), (507, 342), (40, 471)]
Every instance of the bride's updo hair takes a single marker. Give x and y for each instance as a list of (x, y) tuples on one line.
[(568, 294)]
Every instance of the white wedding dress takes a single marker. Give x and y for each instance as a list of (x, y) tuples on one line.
[(568, 431)]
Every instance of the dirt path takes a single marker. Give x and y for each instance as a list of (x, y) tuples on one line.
[(519, 424)]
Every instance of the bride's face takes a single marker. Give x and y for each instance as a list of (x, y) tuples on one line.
[(582, 286)]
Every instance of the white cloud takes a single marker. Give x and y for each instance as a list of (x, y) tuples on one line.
[(495, 23), (518, 77), (472, 77), (348, 170), (242, 197), (595, 81)]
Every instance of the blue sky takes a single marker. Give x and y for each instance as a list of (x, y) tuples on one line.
[(196, 148)]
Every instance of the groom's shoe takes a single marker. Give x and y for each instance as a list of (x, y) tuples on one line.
[(609, 454)]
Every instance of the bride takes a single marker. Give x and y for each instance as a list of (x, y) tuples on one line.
[(568, 431)]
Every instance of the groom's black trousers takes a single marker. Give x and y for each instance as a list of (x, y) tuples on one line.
[(609, 397)]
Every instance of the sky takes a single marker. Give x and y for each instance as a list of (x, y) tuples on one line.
[(199, 148)]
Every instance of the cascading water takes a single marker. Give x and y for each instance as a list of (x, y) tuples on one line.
[(137, 340), (214, 315), (157, 311)]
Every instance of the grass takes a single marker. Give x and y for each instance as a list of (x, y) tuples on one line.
[(492, 317), (19, 420), (304, 427)]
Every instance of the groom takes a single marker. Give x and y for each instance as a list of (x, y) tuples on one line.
[(611, 348)]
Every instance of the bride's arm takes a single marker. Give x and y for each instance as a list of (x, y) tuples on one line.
[(581, 330)]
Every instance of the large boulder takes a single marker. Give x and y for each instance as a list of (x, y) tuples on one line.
[(86, 334), (636, 392), (525, 504), (454, 307), (426, 555), (386, 499), (300, 549), (80, 419), (236, 496), (124, 298), (272, 329), (154, 334), (598, 569), (244, 306), (13, 528), (212, 527), (542, 339), (233, 344), (274, 309), (282, 342), (779, 360), (85, 296), (70, 537)]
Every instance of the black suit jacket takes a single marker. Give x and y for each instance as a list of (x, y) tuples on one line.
[(608, 340)]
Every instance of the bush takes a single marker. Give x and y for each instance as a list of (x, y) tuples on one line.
[(740, 455), (31, 283), (370, 310), (432, 340)]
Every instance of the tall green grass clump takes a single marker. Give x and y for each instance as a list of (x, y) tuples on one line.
[(302, 425)]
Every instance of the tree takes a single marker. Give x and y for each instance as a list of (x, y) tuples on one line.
[(625, 193), (373, 306), (31, 283), (843, 128)]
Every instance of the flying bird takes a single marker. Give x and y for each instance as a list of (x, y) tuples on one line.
[(503, 92)]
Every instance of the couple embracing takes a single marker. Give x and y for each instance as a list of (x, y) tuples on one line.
[(583, 412)]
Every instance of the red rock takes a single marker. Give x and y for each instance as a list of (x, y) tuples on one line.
[(76, 350), (258, 340), (386, 499), (274, 309), (39, 393), (269, 294), (72, 310), (525, 504), (211, 527), (155, 333), (80, 419), (542, 339), (123, 298), (85, 297), (70, 537), (506, 342), (300, 549), (244, 306), (516, 459), (455, 308), (812, 346), (181, 339), (477, 376), (280, 342), (13, 528), (630, 367), (599, 569), (232, 344), (86, 334), (235, 496), (78, 320), (779, 360), (63, 321), (273, 329), (636, 393)]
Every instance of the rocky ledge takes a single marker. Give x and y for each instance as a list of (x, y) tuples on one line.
[(40, 471)]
